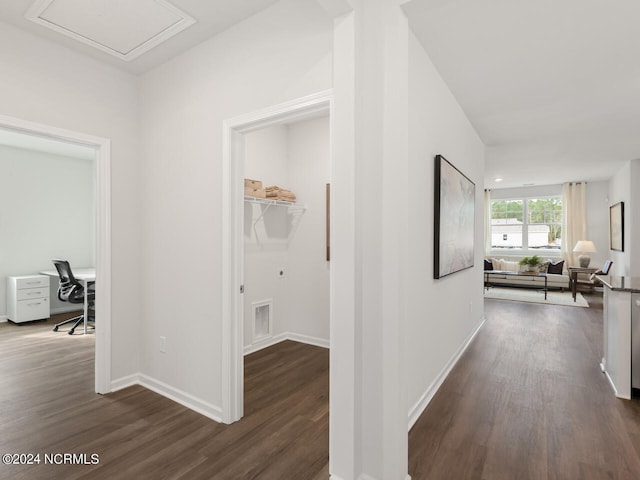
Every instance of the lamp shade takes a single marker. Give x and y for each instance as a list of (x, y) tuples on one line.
[(585, 246)]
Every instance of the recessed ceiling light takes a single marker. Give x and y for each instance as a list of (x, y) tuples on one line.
[(497, 179)]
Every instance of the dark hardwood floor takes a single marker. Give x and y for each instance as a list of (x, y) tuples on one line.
[(47, 406), (526, 401)]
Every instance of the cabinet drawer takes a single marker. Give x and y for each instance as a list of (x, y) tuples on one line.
[(31, 293), (32, 281), (28, 310)]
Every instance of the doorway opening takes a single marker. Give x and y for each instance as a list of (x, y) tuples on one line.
[(265, 223), (66, 139)]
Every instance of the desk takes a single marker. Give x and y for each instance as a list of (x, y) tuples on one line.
[(573, 278), (85, 276)]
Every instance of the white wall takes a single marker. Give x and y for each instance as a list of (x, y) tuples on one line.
[(47, 210), (307, 268), (598, 222), (632, 220), (265, 236), (620, 190), (45, 83), (623, 188), (277, 55), (441, 314), (295, 157)]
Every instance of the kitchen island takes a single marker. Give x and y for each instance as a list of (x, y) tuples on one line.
[(621, 361)]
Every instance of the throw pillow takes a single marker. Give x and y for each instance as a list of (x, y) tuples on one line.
[(508, 266), (556, 267), (544, 267), (488, 264)]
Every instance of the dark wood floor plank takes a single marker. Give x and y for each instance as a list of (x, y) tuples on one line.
[(47, 405), (528, 401)]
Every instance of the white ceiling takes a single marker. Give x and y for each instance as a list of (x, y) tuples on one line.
[(552, 87)]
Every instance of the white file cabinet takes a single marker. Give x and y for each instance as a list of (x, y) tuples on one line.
[(27, 298)]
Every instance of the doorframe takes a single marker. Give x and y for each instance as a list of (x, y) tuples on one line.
[(232, 404), (103, 233)]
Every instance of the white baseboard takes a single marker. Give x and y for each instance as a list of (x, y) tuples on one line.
[(363, 476), (124, 382), (193, 403), (4, 318), (207, 409), (315, 341), (428, 395), (296, 337)]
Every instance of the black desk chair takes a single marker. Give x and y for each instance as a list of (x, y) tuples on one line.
[(72, 291)]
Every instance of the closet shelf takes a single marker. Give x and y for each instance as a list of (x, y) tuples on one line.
[(293, 207)]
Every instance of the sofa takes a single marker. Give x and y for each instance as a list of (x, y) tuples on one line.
[(557, 274)]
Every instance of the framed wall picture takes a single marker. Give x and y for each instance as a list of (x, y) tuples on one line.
[(616, 227), (455, 197)]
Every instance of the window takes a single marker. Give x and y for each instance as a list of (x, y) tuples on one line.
[(527, 223)]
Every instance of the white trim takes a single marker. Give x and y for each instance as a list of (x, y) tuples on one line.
[(281, 337), (232, 236), (3, 318), (125, 382), (232, 368), (103, 234), (364, 476), (613, 386), (187, 400), (205, 408), (315, 341), (427, 396), (103, 268)]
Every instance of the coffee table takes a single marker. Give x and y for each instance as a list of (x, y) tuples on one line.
[(517, 274)]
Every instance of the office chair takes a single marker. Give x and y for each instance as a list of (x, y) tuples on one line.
[(71, 290)]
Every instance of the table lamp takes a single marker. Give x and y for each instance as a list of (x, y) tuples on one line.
[(584, 247)]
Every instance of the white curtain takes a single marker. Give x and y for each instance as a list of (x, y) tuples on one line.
[(574, 218), (487, 223)]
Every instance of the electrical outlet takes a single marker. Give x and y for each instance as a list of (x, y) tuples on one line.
[(163, 344)]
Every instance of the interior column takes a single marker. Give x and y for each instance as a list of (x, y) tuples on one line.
[(369, 411)]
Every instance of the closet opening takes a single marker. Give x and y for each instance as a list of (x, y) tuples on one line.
[(278, 163)]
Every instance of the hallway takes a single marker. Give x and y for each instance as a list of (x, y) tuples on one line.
[(528, 401)]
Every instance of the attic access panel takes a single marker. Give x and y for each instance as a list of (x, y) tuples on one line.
[(121, 28)]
